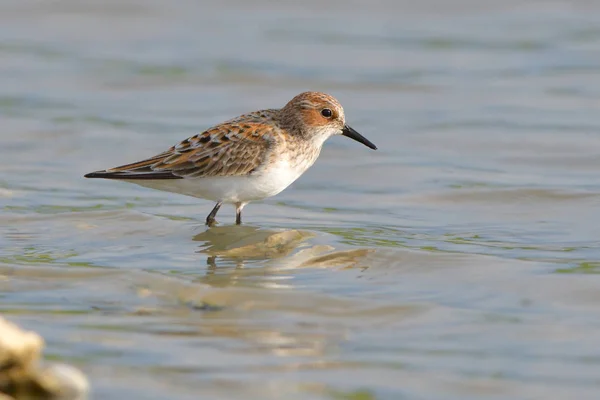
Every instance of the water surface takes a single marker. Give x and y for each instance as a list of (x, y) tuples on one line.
[(459, 261)]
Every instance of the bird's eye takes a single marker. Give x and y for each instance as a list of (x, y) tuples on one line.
[(326, 112)]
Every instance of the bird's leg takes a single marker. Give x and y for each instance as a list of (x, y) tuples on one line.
[(238, 212), (210, 220)]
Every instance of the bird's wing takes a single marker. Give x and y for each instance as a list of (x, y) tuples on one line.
[(229, 149)]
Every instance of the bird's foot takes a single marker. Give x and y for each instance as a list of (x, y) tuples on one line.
[(210, 222)]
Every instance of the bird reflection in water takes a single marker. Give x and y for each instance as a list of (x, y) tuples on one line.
[(231, 249)]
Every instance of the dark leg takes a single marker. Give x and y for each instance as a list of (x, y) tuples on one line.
[(210, 220), (238, 213)]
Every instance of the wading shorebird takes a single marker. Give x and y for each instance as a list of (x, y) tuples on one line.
[(248, 158)]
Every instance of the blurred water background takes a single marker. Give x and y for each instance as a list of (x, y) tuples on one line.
[(459, 261)]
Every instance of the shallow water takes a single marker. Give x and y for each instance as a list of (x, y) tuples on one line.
[(459, 261)]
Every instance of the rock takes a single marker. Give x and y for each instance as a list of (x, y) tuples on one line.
[(23, 378)]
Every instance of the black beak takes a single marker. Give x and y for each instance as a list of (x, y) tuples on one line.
[(352, 134)]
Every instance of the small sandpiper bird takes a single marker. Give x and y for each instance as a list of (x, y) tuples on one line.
[(248, 158)]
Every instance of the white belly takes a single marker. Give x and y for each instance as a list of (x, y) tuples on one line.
[(231, 189)]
